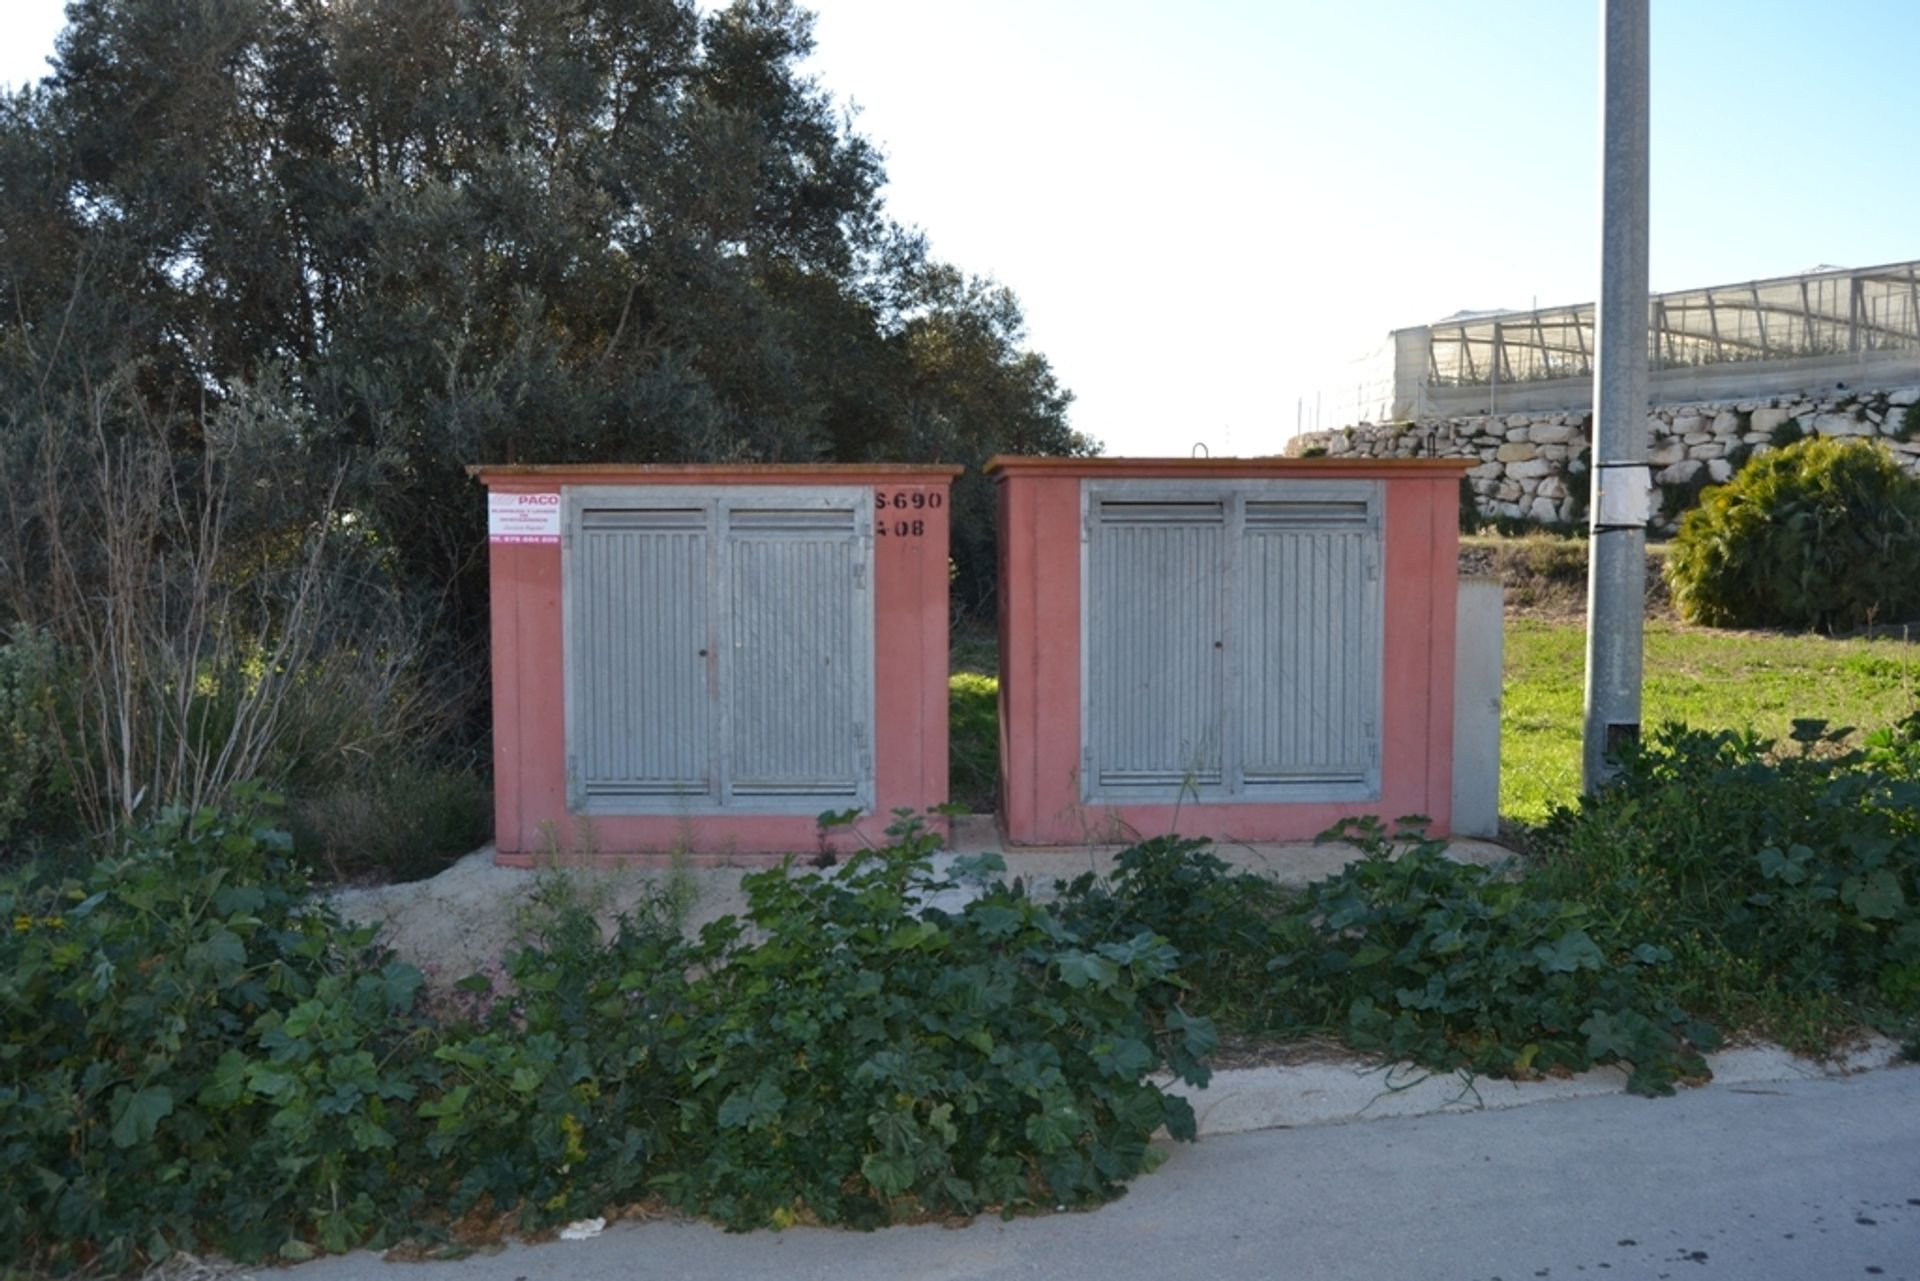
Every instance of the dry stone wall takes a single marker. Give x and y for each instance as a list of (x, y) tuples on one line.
[(1533, 466)]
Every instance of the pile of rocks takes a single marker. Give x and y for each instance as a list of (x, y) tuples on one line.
[(1532, 466)]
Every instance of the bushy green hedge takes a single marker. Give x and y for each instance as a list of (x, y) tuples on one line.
[(196, 1054), (1823, 533)]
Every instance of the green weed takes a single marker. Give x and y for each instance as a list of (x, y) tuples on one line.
[(973, 742)]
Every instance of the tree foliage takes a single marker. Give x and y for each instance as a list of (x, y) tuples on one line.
[(447, 231)]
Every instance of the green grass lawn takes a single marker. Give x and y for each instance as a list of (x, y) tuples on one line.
[(1709, 679)]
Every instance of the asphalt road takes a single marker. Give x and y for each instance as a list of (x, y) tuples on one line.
[(1802, 1181)]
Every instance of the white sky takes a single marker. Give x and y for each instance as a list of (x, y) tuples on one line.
[(1209, 207)]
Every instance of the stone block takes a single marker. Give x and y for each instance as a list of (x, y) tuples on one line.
[(1904, 397), (1485, 471), (1516, 451), (1543, 510), (1712, 449), (1516, 433), (1508, 490), (1840, 425), (1686, 424), (1726, 423), (1529, 468), (1519, 420), (1765, 420), (1719, 470), (1666, 452), (1549, 433), (1679, 473), (1551, 487)]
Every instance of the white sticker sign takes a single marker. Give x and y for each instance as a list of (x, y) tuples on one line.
[(523, 518)]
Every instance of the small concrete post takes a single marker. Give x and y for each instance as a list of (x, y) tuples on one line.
[(1616, 578)]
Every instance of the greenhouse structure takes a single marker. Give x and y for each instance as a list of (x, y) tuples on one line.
[(1816, 330)]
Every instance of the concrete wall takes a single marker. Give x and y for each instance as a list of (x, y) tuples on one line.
[(1478, 677)]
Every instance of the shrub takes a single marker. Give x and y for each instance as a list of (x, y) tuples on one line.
[(1787, 885), (1220, 920), (559, 1099), (1453, 966), (194, 1051), (1823, 533), (861, 1063), (29, 759), (1405, 954), (197, 1054), (219, 617), (401, 822)]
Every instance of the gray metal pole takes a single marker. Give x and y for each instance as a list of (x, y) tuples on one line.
[(1617, 570)]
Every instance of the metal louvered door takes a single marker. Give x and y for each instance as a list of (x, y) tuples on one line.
[(1232, 648), (796, 672), (641, 722), (1154, 688), (720, 650), (1310, 649)]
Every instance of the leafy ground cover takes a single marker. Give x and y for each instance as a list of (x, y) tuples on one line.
[(1782, 879), (1725, 886), (1757, 681), (198, 1054)]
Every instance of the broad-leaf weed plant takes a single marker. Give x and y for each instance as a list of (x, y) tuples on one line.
[(199, 1054)]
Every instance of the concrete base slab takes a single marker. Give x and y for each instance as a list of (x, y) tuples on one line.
[(464, 920)]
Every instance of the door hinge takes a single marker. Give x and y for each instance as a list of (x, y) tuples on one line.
[(859, 575), (1373, 563), (860, 735)]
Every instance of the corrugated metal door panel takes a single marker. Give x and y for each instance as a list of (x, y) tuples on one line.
[(644, 615), (796, 705), (1309, 624), (1155, 644)]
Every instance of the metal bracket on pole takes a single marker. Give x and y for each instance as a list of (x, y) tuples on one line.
[(1622, 496)]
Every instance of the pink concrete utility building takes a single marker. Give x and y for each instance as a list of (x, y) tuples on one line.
[(709, 657), (1235, 649)]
